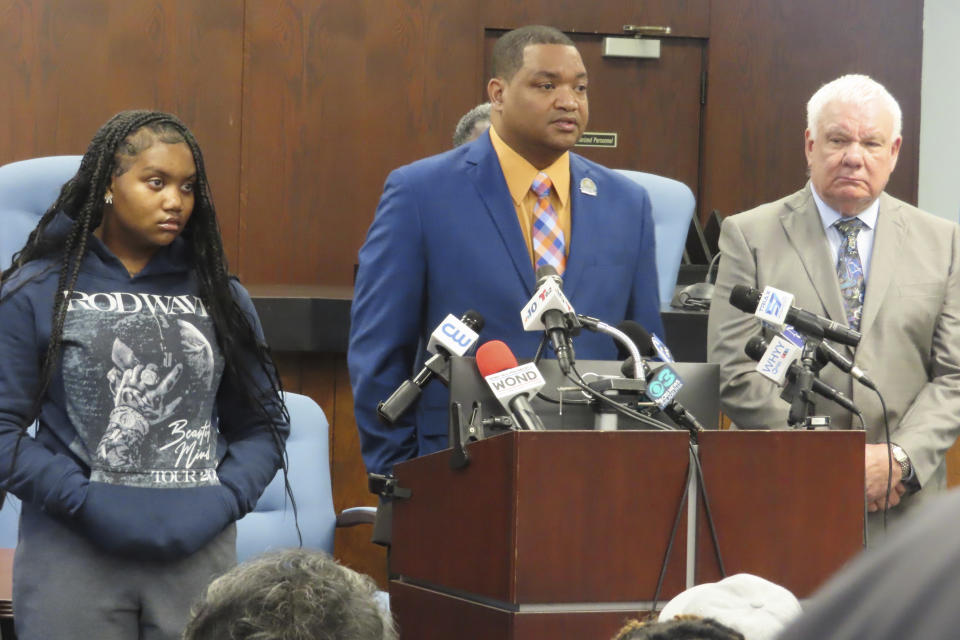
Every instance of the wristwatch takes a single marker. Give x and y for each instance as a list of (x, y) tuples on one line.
[(903, 460)]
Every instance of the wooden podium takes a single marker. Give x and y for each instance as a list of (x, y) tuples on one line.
[(564, 533)]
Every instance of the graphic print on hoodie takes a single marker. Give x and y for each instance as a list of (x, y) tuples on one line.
[(140, 371)]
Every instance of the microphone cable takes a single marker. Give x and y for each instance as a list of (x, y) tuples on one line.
[(618, 406), (706, 506), (540, 347), (697, 470), (698, 296), (670, 542), (711, 525), (540, 394), (886, 436)]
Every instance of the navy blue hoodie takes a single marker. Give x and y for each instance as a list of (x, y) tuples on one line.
[(144, 444)]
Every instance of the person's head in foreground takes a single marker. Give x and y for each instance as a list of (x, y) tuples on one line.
[(681, 628), (294, 594), (757, 608)]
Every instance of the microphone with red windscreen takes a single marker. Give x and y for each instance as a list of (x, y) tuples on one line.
[(512, 385)]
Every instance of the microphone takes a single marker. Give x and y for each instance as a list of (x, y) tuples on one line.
[(663, 384), (625, 345), (758, 350), (646, 348), (451, 337), (845, 364), (550, 311), (511, 384), (455, 337), (649, 344), (775, 307), (775, 357)]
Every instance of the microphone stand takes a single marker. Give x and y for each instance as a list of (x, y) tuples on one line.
[(390, 410), (598, 326), (624, 389), (460, 434), (800, 392)]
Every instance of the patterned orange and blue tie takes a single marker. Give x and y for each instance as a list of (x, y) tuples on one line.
[(548, 243), (850, 270)]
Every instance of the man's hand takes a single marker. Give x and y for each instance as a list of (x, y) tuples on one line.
[(877, 464)]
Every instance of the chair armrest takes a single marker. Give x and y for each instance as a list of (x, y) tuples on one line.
[(356, 515)]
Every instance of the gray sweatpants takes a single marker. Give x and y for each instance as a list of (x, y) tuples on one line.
[(64, 587)]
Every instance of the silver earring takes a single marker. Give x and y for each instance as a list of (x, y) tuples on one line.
[(108, 198)]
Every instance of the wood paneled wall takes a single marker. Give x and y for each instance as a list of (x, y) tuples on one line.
[(766, 60), (67, 66), (304, 106)]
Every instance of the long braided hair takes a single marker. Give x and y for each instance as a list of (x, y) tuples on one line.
[(111, 152)]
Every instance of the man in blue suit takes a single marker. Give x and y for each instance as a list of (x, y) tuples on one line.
[(463, 230)]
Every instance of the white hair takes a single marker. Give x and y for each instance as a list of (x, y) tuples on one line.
[(852, 89), (480, 113)]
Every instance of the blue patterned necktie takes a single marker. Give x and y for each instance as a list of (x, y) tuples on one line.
[(850, 270)]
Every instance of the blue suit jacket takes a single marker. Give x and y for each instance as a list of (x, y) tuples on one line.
[(445, 239)]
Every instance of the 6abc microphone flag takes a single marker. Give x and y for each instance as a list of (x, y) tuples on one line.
[(775, 308)]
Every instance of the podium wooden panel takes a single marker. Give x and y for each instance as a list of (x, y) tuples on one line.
[(788, 505), (546, 517), (423, 614), (562, 533)]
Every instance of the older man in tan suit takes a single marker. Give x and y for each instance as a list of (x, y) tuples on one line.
[(852, 253)]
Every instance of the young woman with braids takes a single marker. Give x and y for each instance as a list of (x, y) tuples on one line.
[(160, 414)]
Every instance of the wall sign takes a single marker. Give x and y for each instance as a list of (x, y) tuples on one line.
[(597, 139)]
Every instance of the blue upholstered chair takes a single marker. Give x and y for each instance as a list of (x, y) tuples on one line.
[(270, 525), (9, 521), (673, 204), (27, 189)]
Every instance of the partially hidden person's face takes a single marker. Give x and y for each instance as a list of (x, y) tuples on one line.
[(543, 107), (852, 155), (152, 201)]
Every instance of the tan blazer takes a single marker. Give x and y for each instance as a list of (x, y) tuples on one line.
[(911, 323)]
